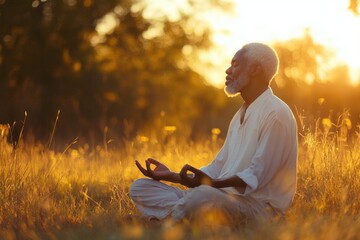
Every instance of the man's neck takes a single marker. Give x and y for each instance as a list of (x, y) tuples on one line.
[(250, 96)]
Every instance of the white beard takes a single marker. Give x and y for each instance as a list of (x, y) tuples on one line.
[(236, 86), (230, 91)]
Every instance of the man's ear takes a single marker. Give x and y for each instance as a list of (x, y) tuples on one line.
[(256, 69)]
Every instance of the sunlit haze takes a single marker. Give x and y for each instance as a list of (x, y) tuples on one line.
[(330, 23)]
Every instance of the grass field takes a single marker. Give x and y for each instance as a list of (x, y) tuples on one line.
[(82, 192)]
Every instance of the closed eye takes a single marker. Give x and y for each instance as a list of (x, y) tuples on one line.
[(234, 63)]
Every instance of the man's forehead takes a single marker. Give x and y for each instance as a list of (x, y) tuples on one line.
[(238, 55)]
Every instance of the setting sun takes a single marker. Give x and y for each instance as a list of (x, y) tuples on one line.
[(330, 23)]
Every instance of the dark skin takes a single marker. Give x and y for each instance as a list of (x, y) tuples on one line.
[(190, 176), (163, 173)]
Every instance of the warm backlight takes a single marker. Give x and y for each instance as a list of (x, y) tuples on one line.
[(330, 23)]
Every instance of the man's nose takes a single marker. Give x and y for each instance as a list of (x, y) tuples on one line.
[(228, 71)]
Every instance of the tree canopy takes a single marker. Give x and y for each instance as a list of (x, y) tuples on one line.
[(353, 6), (115, 64), (54, 57)]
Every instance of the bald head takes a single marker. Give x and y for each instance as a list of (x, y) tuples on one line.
[(265, 56)]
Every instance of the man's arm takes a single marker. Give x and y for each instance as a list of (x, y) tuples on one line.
[(160, 172), (194, 179), (200, 178), (233, 181)]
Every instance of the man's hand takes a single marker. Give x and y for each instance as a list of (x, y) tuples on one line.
[(160, 172), (196, 179)]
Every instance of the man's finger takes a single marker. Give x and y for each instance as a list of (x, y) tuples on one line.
[(183, 173), (139, 165), (194, 170), (184, 177), (191, 169), (151, 172), (153, 161), (148, 167), (183, 169), (143, 170)]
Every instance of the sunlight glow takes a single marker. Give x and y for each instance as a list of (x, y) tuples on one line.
[(107, 24), (330, 23)]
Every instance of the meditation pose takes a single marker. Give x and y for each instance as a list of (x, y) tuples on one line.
[(254, 173)]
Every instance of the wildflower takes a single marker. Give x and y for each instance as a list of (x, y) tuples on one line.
[(215, 131), (321, 101), (4, 130), (169, 129), (142, 138), (347, 123), (326, 122)]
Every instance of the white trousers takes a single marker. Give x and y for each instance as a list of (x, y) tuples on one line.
[(159, 200)]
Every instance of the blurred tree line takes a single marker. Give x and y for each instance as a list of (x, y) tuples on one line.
[(108, 65), (312, 87), (353, 6), (52, 57)]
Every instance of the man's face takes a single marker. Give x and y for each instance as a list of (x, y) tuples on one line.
[(236, 75)]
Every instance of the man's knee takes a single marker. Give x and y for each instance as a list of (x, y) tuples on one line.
[(204, 191), (138, 186), (197, 199), (201, 195)]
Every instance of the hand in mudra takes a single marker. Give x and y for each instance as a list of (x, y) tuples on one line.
[(160, 172), (195, 178)]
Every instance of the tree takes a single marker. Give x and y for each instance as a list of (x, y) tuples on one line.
[(310, 88), (52, 56), (353, 6)]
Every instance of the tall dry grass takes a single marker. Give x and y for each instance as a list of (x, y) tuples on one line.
[(82, 193)]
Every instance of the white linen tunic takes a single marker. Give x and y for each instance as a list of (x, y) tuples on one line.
[(262, 151)]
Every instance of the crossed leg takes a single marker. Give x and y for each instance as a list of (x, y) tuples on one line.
[(159, 200)]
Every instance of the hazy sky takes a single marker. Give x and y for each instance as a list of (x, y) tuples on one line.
[(329, 21)]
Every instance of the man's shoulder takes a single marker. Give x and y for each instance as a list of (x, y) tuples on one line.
[(274, 104), (276, 108)]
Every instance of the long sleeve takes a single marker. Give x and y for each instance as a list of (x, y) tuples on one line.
[(214, 168), (273, 161)]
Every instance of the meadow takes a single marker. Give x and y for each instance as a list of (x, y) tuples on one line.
[(82, 191)]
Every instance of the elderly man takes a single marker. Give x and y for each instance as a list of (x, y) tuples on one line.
[(254, 174)]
